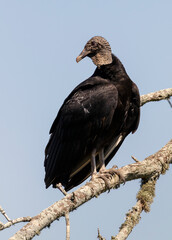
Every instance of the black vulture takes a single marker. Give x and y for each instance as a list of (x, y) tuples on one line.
[(93, 121)]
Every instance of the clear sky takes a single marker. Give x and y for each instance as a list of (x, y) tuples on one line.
[(39, 42)]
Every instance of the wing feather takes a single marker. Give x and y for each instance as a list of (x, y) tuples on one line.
[(82, 119)]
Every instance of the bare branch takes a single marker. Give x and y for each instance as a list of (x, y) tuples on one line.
[(60, 187), (145, 198), (100, 236), (132, 218), (155, 164), (4, 213), (156, 96), (12, 222), (67, 226), (135, 159)]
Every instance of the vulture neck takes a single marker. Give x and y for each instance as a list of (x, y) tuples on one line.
[(112, 71)]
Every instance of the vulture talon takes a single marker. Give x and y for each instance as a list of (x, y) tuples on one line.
[(116, 171), (103, 177), (109, 173)]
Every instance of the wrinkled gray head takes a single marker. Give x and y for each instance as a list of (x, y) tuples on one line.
[(98, 49)]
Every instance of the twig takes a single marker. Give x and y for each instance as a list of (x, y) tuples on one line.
[(168, 99), (12, 222), (135, 159), (67, 226), (60, 187), (4, 214), (99, 236)]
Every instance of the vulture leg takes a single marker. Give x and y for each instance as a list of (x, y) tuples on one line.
[(104, 173), (101, 160), (93, 164)]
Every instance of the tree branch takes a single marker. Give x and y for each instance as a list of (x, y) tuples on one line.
[(156, 96), (12, 222), (4, 214), (145, 198), (132, 218), (157, 163)]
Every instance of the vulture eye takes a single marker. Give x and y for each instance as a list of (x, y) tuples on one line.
[(93, 44)]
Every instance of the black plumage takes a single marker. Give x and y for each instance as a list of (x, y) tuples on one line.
[(93, 121)]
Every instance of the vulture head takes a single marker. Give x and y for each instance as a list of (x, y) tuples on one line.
[(98, 49)]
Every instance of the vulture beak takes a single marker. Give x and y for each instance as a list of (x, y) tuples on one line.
[(82, 55)]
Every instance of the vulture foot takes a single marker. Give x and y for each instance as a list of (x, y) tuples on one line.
[(104, 176), (116, 171), (109, 173)]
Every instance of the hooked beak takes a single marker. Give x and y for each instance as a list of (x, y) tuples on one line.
[(82, 55)]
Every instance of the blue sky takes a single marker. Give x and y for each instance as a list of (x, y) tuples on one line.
[(39, 43)]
